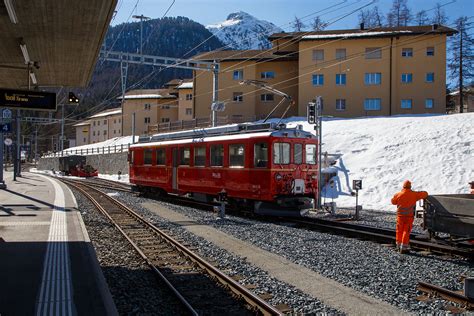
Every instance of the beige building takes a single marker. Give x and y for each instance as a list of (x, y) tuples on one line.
[(150, 106), (358, 72), (246, 101), (185, 100), (99, 127)]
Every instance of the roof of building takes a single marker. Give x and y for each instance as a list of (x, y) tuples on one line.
[(149, 94), (83, 123), (232, 55), (185, 85), (108, 112), (372, 32)]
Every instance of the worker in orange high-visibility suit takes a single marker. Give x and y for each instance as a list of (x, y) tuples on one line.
[(405, 200)]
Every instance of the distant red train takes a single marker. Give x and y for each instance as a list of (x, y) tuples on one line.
[(255, 164)]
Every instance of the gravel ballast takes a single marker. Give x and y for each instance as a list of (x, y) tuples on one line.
[(134, 288), (366, 266)]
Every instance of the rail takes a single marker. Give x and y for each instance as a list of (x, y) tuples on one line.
[(449, 295), (131, 225)]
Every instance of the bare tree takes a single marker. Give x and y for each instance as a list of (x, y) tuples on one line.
[(421, 18), (461, 64), (298, 25), (318, 24), (399, 14), (376, 17), (439, 16), (364, 17)]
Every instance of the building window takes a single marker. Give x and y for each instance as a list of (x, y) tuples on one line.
[(120, 120), (189, 111), (430, 77), (266, 97), (94, 123), (318, 54), (340, 79), (260, 155), (298, 154), (373, 78), (407, 52), (238, 97), (161, 156), (267, 75), (115, 121), (281, 153), (165, 119), (236, 155), (429, 103), (407, 78), (84, 140), (147, 120), (165, 107), (341, 53), (217, 155), (373, 53), (318, 80), (98, 123), (372, 104), (147, 157), (406, 104), (189, 96), (430, 51), (105, 133), (199, 156), (93, 133), (114, 131), (147, 106), (340, 104), (119, 131), (184, 155), (238, 74)]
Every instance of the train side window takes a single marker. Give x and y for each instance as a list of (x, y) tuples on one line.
[(281, 153), (147, 156), (217, 155), (298, 154), (199, 156), (184, 155), (236, 155), (260, 155), (161, 156), (311, 154)]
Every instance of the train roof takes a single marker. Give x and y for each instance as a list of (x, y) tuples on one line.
[(223, 133)]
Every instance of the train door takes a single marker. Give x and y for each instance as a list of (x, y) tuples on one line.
[(174, 162)]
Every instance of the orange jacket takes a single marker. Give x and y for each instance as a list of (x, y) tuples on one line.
[(405, 200)]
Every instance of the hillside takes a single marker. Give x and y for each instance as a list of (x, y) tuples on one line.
[(243, 31)]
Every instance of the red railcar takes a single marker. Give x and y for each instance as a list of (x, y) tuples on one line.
[(254, 164)]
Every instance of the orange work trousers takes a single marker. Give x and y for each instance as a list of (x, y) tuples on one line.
[(404, 226)]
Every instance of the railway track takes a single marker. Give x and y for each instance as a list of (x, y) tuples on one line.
[(202, 288)]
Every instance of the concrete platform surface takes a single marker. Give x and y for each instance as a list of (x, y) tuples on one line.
[(48, 265)]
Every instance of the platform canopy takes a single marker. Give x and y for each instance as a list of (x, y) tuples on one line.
[(61, 37)]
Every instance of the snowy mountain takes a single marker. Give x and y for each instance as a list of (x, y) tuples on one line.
[(244, 31)]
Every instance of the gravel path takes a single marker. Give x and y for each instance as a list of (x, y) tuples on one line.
[(134, 288), (366, 266), (283, 293)]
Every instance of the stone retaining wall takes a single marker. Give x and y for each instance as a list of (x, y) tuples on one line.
[(104, 163)]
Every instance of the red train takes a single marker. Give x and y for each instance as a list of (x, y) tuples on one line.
[(255, 164)]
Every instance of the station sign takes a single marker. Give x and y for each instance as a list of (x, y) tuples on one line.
[(8, 141), (357, 184), (5, 127), (6, 114), (28, 100)]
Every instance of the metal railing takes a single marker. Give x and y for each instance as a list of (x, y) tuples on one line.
[(114, 149)]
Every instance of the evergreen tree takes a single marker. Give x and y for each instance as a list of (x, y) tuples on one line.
[(461, 65), (399, 14), (318, 24), (298, 25), (439, 16)]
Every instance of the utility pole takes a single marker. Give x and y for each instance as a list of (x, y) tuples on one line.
[(36, 145), (133, 128), (319, 120), (461, 105), (61, 143), (141, 18), (215, 87)]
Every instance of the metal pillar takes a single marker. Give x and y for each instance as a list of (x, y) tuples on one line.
[(123, 76), (133, 128), (2, 182), (61, 143), (215, 87), (36, 145), (319, 120), (18, 144)]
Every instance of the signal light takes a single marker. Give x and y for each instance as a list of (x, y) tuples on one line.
[(73, 98), (311, 113)]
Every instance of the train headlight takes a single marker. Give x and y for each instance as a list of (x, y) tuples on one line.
[(278, 177), (314, 177)]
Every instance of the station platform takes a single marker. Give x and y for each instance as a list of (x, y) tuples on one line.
[(48, 265)]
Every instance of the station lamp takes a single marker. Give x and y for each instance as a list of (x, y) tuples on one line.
[(72, 98)]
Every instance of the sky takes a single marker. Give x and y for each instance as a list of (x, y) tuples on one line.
[(279, 12)]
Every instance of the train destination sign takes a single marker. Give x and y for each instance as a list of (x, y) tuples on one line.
[(27, 99)]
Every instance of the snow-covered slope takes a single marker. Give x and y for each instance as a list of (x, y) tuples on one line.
[(435, 152), (243, 31)]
